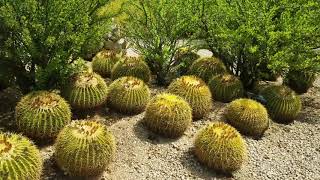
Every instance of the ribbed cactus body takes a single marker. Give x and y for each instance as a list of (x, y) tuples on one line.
[(226, 88), (248, 116), (207, 67), (131, 66), (86, 90), (195, 92), (128, 95), (168, 115), (103, 62), (282, 103), (42, 114), (84, 148), (220, 147), (19, 158), (300, 81)]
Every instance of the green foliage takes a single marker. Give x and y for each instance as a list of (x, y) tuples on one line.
[(168, 115), (248, 116), (251, 35), (103, 62), (221, 147), (86, 90), (226, 87), (195, 92), (282, 103), (19, 158), (131, 66), (42, 114), (84, 148), (41, 41), (155, 27), (128, 95), (184, 58), (300, 81)]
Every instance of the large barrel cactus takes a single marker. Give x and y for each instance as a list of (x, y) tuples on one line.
[(128, 95), (103, 62), (248, 116), (220, 147), (195, 92), (131, 66), (207, 67), (282, 103), (86, 90), (168, 115), (84, 148), (42, 114), (300, 81), (19, 158), (226, 87)]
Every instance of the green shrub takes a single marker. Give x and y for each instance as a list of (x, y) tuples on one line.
[(103, 62), (300, 81)]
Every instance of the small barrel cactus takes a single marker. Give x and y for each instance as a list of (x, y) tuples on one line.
[(103, 62), (19, 158), (42, 114), (128, 95), (86, 90), (84, 148), (131, 66), (207, 67), (248, 116), (226, 88), (168, 115), (184, 57), (195, 92), (300, 81), (220, 147), (283, 104)]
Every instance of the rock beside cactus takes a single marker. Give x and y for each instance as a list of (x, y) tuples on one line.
[(103, 62), (207, 67), (195, 92), (220, 147), (248, 116), (226, 88), (131, 66), (283, 104), (86, 90), (300, 81), (19, 158), (42, 114), (168, 115), (84, 148), (128, 95)]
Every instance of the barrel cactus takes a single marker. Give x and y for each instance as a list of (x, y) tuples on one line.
[(300, 81), (168, 115), (195, 92), (283, 104), (226, 87), (42, 114), (184, 57), (128, 95), (84, 148), (19, 158), (103, 62), (220, 147), (86, 90), (131, 66), (248, 116), (207, 67)]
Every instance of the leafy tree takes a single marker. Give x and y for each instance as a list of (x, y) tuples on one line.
[(42, 40)]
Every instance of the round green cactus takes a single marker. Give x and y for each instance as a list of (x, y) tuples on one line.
[(220, 147), (185, 57), (86, 90), (168, 115), (300, 81), (207, 67), (195, 92), (84, 148), (131, 66), (128, 95), (103, 62), (226, 87), (248, 116), (19, 158), (283, 104), (42, 114)]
